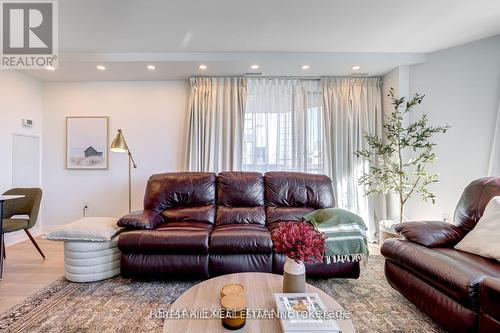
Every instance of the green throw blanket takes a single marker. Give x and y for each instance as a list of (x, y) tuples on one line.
[(346, 234)]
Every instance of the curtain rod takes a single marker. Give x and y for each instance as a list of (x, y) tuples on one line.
[(285, 77)]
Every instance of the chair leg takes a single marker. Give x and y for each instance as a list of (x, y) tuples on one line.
[(34, 242)]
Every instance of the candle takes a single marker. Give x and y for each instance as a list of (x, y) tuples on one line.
[(234, 311), (232, 289)]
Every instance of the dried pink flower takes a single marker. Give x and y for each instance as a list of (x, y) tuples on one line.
[(299, 241)]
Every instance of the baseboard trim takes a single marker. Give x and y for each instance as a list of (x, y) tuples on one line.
[(20, 236), (49, 228)]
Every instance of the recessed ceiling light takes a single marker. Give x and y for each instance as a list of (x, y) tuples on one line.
[(254, 67), (305, 67), (355, 68), (50, 68), (203, 67), (151, 67), (101, 67)]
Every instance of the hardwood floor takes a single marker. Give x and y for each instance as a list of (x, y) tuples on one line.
[(25, 272)]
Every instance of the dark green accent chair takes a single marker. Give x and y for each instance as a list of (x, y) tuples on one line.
[(29, 205)]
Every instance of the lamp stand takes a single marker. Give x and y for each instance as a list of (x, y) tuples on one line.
[(129, 183), (119, 145), (131, 163)]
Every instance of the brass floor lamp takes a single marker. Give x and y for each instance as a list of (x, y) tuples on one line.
[(119, 145)]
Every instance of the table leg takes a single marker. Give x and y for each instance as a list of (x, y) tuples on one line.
[(1, 239)]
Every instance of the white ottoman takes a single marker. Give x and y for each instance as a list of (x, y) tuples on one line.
[(90, 248), (91, 261)]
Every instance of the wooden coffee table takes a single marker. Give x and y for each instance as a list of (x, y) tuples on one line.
[(260, 290)]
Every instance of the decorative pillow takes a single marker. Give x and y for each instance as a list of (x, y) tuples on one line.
[(93, 229), (483, 240)]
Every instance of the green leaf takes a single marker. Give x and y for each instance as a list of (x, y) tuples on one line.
[(399, 157)]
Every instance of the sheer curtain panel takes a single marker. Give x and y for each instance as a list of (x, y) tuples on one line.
[(283, 126), (494, 169), (215, 132), (352, 106)]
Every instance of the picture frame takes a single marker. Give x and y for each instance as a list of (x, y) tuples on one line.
[(87, 142)]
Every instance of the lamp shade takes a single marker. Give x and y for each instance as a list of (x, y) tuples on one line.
[(118, 145)]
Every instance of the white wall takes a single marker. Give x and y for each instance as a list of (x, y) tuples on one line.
[(153, 117), (462, 88), (20, 97), (398, 79)]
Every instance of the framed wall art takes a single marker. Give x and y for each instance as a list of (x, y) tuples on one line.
[(87, 142)]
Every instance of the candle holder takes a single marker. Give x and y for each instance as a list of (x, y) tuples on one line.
[(233, 311)]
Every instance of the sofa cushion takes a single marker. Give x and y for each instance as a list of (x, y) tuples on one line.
[(240, 215), (185, 196), (240, 189), (173, 237), (240, 239), (204, 214), (455, 273), (291, 195), (473, 201), (280, 214), (240, 198)]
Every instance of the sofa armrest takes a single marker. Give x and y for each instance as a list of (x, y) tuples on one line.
[(431, 234), (141, 219), (489, 294)]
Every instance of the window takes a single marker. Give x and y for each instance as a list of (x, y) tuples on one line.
[(283, 126)]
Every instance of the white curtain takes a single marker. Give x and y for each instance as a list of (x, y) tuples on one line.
[(352, 106), (215, 132), (283, 126), (494, 168)]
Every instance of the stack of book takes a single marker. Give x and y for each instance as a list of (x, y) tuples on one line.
[(304, 313)]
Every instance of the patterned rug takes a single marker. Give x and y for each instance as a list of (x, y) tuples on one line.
[(124, 305)]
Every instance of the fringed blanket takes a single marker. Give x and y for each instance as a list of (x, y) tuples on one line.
[(346, 234)]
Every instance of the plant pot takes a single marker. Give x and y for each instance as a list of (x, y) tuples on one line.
[(294, 277)]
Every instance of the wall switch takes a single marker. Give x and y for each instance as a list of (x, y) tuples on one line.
[(27, 122)]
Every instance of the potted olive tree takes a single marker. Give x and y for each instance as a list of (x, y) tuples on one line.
[(398, 159)]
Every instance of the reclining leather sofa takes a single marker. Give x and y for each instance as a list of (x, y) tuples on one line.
[(456, 289), (198, 225)]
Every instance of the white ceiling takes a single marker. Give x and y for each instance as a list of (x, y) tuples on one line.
[(274, 25), (175, 66), (230, 35)]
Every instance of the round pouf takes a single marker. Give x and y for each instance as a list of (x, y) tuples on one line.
[(91, 261)]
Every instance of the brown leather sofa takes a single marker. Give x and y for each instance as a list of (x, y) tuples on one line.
[(198, 225), (450, 286)]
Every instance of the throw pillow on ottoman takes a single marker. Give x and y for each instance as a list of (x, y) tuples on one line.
[(90, 248)]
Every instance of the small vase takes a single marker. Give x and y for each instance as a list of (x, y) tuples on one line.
[(294, 277)]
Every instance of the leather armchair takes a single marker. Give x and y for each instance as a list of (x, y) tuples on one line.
[(445, 283)]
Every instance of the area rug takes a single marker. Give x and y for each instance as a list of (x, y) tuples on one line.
[(124, 305)]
